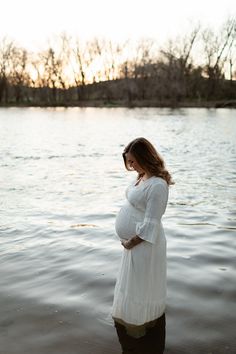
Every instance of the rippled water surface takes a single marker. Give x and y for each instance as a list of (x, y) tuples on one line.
[(62, 183)]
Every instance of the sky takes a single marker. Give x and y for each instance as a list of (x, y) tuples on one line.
[(32, 22)]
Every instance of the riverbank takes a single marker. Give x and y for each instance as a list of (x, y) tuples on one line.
[(132, 104)]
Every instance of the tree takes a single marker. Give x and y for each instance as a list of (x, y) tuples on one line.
[(19, 76), (51, 67), (79, 64), (6, 51), (178, 60), (218, 50)]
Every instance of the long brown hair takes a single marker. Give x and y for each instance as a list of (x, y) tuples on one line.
[(148, 158)]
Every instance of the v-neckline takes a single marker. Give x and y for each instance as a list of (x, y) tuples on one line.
[(137, 184)]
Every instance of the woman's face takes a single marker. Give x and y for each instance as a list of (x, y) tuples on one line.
[(131, 162)]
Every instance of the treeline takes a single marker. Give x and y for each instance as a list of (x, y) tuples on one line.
[(199, 67)]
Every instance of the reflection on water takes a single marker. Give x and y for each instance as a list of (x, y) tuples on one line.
[(62, 183), (153, 342)]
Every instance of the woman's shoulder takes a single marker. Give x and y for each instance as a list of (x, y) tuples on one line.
[(157, 185), (156, 181), (157, 189)]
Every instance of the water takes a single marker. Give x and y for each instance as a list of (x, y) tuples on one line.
[(62, 183)]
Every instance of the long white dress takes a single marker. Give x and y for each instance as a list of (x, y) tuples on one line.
[(140, 291)]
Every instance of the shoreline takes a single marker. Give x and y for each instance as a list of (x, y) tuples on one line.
[(125, 104)]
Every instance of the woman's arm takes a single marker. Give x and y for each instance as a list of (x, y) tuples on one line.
[(133, 241)]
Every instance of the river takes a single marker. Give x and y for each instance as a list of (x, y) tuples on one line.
[(62, 184)]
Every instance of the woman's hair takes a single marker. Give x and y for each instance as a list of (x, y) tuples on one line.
[(148, 158)]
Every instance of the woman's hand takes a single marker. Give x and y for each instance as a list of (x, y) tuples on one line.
[(133, 241), (127, 244)]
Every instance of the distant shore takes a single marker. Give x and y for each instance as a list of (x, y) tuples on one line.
[(132, 104)]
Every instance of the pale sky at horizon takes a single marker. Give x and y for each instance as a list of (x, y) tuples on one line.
[(32, 22)]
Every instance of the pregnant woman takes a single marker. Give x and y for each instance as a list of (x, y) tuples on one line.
[(140, 291)]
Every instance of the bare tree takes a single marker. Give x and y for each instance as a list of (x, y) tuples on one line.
[(95, 49), (218, 49), (51, 65), (6, 52), (19, 75), (178, 59), (142, 65), (79, 65)]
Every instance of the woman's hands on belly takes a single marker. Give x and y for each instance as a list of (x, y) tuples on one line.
[(132, 242)]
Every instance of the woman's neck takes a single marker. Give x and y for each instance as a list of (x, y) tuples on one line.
[(146, 175)]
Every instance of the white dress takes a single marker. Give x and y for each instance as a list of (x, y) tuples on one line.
[(140, 291)]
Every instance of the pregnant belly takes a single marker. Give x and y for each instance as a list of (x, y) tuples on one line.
[(126, 222)]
